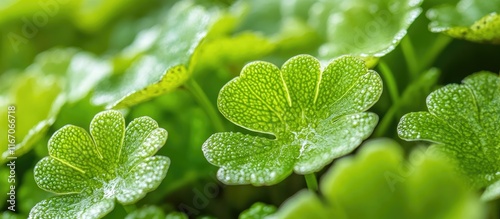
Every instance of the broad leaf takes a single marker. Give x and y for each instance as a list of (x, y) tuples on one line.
[(360, 27), (37, 101), (313, 116), (472, 20), (379, 183), (464, 121), (378, 25), (162, 57), (57, 76), (91, 171)]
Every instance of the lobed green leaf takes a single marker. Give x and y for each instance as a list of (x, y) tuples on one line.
[(313, 115), (91, 171), (463, 121)]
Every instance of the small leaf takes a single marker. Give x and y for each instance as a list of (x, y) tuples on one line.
[(314, 116), (464, 121), (473, 20), (379, 183), (91, 171), (258, 210)]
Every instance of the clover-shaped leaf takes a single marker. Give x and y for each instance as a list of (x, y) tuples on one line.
[(314, 116), (379, 183), (472, 20), (464, 121), (91, 171)]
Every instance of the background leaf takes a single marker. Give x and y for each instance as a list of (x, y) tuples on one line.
[(471, 20)]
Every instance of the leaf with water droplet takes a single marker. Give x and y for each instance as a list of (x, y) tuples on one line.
[(313, 115), (379, 183), (91, 171), (464, 121), (473, 20)]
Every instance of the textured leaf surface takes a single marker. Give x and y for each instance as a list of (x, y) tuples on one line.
[(463, 120), (472, 20), (92, 170), (379, 183), (313, 115)]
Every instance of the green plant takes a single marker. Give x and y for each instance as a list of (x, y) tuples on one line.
[(92, 171), (379, 183), (256, 95), (463, 122), (314, 116)]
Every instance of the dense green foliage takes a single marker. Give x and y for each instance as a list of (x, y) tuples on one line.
[(259, 98)]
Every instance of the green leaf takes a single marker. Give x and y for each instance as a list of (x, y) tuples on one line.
[(464, 121), (378, 25), (473, 20), (30, 193), (379, 183), (313, 117), (163, 57), (258, 210), (91, 171), (37, 101), (57, 77), (326, 28)]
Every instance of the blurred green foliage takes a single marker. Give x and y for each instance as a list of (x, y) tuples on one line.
[(62, 62)]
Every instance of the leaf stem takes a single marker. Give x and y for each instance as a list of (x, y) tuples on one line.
[(390, 81), (393, 93), (384, 124), (312, 183), (203, 100), (410, 56), (439, 44)]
